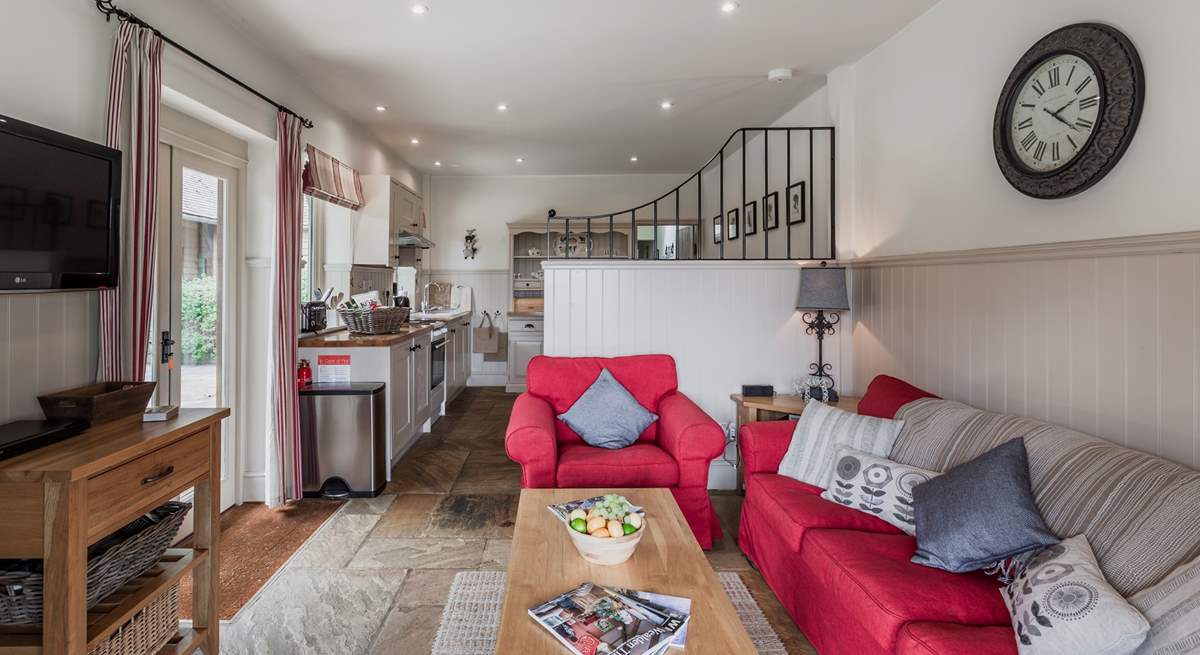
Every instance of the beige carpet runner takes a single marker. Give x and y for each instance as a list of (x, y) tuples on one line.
[(471, 617)]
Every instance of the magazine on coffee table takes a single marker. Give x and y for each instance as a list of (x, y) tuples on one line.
[(666, 604), (593, 619), (563, 510)]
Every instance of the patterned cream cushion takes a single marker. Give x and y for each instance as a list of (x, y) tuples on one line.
[(1141, 513), (876, 486), (1173, 607), (821, 430), (1062, 604)]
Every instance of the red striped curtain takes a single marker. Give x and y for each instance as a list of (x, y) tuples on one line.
[(135, 80), (331, 180), (289, 205)]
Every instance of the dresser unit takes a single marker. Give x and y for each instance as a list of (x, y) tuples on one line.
[(57, 501)]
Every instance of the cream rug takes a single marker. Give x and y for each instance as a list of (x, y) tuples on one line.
[(472, 615)]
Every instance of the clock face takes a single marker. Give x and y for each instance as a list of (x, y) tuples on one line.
[(1054, 113)]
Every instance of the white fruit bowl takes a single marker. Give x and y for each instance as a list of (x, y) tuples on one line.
[(606, 551)]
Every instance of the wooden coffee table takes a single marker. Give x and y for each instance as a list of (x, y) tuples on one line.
[(668, 560)]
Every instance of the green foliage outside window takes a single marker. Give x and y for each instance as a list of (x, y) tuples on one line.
[(199, 320)]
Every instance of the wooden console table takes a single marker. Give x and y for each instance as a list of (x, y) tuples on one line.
[(764, 408), (58, 500)]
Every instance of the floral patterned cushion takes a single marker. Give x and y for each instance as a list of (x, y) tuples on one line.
[(1061, 603), (876, 486)]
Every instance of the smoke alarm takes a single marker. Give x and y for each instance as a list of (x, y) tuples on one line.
[(779, 75)]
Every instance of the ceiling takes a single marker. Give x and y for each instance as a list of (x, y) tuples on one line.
[(583, 79)]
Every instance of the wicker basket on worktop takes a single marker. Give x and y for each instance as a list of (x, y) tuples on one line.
[(381, 320)]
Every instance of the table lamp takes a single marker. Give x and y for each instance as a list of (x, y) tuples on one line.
[(822, 289)]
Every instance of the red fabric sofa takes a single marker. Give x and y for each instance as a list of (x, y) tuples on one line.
[(674, 452), (845, 576)]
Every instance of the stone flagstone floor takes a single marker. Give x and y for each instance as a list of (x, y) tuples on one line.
[(376, 579)]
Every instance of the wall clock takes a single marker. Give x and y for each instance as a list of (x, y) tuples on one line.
[(1069, 110)]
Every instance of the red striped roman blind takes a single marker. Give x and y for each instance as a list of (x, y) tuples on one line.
[(328, 179)]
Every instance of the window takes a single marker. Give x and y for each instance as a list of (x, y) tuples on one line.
[(307, 261)]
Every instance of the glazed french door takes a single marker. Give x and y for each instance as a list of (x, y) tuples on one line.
[(190, 346)]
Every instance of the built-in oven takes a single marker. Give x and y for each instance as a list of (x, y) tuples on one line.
[(437, 358)]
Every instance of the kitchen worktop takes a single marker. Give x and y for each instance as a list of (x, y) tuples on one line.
[(443, 315), (527, 314), (343, 338)]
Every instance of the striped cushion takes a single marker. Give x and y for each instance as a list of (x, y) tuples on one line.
[(821, 430), (1141, 513), (1173, 607)]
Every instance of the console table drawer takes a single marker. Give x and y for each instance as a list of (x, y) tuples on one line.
[(120, 495)]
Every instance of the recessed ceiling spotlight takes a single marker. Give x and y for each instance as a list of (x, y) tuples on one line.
[(420, 9), (633, 159), (415, 141), (502, 107), (520, 160), (437, 163), (380, 108), (666, 104), (729, 7)]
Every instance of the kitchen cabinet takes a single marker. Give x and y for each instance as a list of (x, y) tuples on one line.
[(525, 337), (389, 209), (458, 356), (419, 379), (400, 409)]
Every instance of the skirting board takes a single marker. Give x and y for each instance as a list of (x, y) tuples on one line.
[(254, 487)]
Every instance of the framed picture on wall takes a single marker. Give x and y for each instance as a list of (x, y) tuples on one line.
[(797, 207), (718, 225), (771, 211), (733, 225), (751, 211)]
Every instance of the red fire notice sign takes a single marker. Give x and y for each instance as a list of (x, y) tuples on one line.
[(333, 368)]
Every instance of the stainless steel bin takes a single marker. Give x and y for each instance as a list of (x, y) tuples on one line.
[(343, 443)]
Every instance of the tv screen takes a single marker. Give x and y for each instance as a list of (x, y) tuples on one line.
[(59, 218)]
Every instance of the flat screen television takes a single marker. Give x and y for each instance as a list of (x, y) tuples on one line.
[(59, 210)]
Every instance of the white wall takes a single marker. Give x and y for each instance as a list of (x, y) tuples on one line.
[(64, 47), (923, 105)]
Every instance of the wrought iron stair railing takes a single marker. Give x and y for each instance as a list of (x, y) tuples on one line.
[(808, 221)]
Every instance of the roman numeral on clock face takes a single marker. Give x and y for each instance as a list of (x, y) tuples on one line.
[(1037, 86), (1084, 123), (1029, 140), (1083, 85), (1039, 151), (1025, 124), (1088, 103), (1054, 76), (1054, 151)]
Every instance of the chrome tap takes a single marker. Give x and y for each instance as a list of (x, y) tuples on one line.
[(425, 306)]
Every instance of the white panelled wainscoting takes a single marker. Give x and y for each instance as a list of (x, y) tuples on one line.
[(47, 344), (490, 294), (1101, 336)]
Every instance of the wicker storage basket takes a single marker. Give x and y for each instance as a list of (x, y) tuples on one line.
[(148, 631), (382, 320), (113, 561)]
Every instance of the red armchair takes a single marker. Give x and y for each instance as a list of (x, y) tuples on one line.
[(674, 452)]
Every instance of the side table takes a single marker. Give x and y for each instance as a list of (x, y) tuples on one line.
[(763, 408)]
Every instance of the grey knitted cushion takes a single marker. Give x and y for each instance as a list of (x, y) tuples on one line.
[(607, 415)]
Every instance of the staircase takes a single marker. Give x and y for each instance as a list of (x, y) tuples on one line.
[(767, 194)]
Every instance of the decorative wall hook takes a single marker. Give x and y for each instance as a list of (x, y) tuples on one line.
[(470, 245)]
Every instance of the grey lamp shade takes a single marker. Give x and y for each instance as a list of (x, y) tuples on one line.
[(823, 288)]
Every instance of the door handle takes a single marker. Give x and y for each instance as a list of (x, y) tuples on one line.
[(167, 342), (155, 478), (529, 326)]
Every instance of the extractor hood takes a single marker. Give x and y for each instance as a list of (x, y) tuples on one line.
[(410, 240)]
